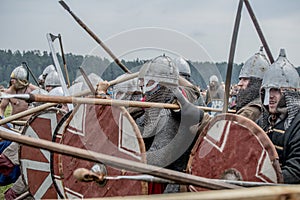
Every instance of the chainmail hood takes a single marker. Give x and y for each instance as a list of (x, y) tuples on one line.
[(289, 106)]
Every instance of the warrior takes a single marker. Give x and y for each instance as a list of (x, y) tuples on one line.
[(19, 85), (167, 139), (53, 87), (45, 73), (215, 90), (185, 72), (281, 117), (248, 103), (52, 81)]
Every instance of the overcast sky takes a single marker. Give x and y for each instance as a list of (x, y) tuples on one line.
[(196, 29)]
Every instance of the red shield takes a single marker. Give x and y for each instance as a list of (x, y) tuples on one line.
[(234, 147), (104, 129), (35, 163)]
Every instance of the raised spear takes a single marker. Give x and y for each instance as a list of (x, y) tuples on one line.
[(91, 33), (231, 55)]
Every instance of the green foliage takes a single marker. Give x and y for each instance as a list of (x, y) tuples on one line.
[(103, 67)]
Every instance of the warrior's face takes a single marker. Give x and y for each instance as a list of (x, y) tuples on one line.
[(275, 96), (243, 83)]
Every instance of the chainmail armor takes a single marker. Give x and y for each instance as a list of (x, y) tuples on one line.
[(289, 102)]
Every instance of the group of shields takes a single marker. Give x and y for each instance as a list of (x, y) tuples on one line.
[(230, 147)]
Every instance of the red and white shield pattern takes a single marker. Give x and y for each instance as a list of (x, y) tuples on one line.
[(234, 144), (35, 163), (104, 129)]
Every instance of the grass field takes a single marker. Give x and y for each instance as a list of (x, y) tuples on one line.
[(3, 189)]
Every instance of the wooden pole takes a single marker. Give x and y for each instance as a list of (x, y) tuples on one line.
[(116, 162), (231, 56), (261, 193), (93, 35), (108, 102), (26, 113), (259, 31), (48, 105)]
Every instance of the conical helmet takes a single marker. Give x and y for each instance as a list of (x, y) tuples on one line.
[(183, 66), (48, 69), (52, 79), (19, 73), (255, 66), (160, 70), (281, 74)]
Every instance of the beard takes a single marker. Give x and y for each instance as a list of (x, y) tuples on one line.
[(247, 95)]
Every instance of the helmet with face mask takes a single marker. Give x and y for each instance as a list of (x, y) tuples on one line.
[(127, 89), (21, 76), (160, 70), (281, 75)]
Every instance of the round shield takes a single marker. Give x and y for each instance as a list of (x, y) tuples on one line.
[(35, 163), (104, 129), (234, 147), (217, 104)]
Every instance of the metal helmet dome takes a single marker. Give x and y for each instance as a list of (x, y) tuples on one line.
[(213, 78), (52, 79), (48, 69), (183, 66), (161, 70), (19, 73), (255, 66), (281, 74)]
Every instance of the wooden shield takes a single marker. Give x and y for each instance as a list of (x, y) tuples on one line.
[(217, 104), (35, 163), (234, 147), (104, 129)]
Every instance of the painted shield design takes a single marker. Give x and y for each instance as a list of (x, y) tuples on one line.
[(35, 163), (104, 129), (217, 104), (235, 148)]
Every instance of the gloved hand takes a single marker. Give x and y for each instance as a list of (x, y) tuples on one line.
[(190, 114)]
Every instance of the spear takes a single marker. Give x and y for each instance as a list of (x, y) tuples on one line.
[(28, 68), (259, 31), (97, 101), (85, 175), (48, 105), (91, 33), (231, 55)]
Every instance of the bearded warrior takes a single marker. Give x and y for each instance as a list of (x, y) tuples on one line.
[(248, 102)]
